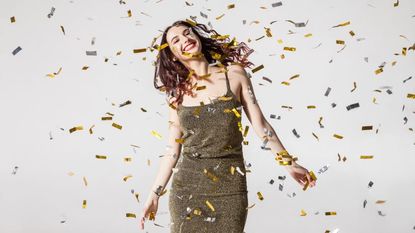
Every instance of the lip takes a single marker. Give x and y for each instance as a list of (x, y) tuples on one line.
[(191, 44)]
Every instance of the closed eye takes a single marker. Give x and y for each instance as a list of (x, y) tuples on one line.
[(186, 32)]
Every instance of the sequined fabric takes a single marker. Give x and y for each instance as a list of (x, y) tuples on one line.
[(209, 189)]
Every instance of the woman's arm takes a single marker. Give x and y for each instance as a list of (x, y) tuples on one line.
[(254, 114), (169, 160), (265, 131)]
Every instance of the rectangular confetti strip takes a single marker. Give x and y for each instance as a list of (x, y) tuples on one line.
[(140, 50), (80, 127), (115, 125), (257, 68), (210, 205)]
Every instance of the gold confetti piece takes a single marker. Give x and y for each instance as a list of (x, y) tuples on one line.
[(71, 173), (210, 205), (179, 140), (90, 129), (308, 35), (85, 182), (279, 41), (378, 71), (410, 95), (127, 159), (396, 3), (306, 185), (191, 22), (106, 118), (125, 103), (101, 156), (282, 56), (303, 213), (148, 162), (197, 211), (231, 6), (118, 53), (257, 68), (54, 74), (140, 50), (232, 170), (210, 175), (268, 32), (380, 201), (342, 24), (127, 177), (285, 163), (236, 113), (311, 106), (354, 87), (366, 157), (260, 197), (246, 130), (63, 29), (294, 76), (12, 19), (315, 136), (339, 41), (330, 213), (85, 67), (312, 175), (152, 216), (367, 127), (116, 125), (200, 88), (80, 127), (285, 83), (155, 134), (84, 204), (161, 47), (403, 52), (351, 33), (219, 17), (292, 49), (337, 136), (130, 215)]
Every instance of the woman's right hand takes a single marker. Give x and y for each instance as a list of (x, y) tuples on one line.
[(151, 205)]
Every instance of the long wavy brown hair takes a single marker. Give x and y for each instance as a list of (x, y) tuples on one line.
[(215, 48)]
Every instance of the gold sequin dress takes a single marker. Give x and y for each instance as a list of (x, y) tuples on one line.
[(209, 189)]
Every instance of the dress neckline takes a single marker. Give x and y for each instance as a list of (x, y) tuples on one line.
[(213, 101)]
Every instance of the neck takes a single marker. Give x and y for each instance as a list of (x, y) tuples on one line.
[(200, 66)]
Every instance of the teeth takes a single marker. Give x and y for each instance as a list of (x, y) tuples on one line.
[(189, 45)]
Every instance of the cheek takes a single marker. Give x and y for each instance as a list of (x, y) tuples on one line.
[(176, 51)]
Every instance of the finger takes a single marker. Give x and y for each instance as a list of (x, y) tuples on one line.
[(309, 178)]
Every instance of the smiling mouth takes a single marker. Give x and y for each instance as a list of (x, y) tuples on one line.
[(191, 45)]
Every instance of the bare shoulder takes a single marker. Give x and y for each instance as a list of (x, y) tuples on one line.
[(238, 74), (237, 68)]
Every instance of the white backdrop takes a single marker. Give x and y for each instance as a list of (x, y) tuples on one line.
[(46, 172)]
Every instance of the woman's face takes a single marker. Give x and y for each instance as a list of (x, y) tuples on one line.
[(183, 42)]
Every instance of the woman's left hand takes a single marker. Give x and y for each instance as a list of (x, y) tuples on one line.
[(300, 174)]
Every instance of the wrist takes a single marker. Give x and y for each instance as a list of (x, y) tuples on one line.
[(158, 191), (154, 195)]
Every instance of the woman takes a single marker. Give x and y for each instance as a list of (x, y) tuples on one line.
[(209, 192)]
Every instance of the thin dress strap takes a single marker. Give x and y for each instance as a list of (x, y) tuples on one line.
[(228, 86)]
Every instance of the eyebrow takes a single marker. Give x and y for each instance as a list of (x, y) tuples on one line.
[(176, 35)]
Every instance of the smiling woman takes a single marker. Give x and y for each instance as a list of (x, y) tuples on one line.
[(189, 42), (209, 189)]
